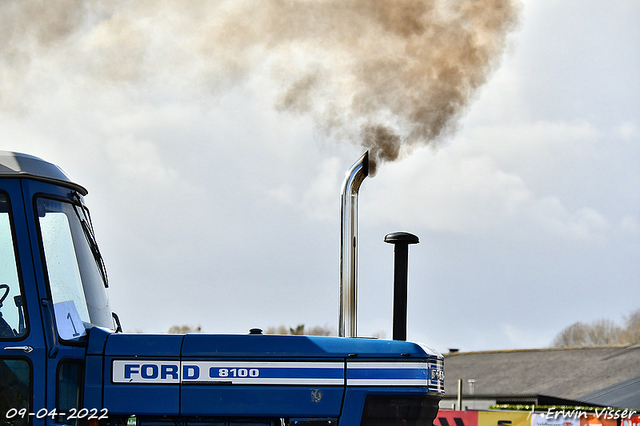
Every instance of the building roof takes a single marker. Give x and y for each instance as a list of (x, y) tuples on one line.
[(600, 373), (625, 394)]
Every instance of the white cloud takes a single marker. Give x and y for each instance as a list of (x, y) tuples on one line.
[(139, 161), (320, 199), (526, 143), (629, 225), (627, 131), (524, 337), (315, 195), (283, 193), (468, 191)]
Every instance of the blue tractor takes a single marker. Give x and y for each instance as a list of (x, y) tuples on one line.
[(64, 359)]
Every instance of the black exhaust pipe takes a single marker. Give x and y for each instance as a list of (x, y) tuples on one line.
[(401, 241)]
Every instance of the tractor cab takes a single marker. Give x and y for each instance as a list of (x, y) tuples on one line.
[(52, 289)]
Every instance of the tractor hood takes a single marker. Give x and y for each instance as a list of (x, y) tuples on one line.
[(196, 374)]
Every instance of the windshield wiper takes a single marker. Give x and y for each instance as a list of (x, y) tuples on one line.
[(89, 235)]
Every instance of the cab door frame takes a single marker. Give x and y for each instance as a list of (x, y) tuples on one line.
[(29, 347), (58, 352)]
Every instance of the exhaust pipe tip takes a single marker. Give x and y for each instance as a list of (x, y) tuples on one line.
[(356, 174)]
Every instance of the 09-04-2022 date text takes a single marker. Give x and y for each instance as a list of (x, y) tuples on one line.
[(71, 414)]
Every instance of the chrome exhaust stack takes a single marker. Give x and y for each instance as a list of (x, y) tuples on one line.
[(347, 321)]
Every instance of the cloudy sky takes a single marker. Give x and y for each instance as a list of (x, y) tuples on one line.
[(215, 194)]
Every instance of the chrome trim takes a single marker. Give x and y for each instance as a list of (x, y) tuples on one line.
[(26, 349)]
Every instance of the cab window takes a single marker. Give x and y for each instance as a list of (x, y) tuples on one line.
[(12, 319), (15, 390)]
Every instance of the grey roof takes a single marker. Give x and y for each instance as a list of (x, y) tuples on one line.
[(625, 394), (563, 373), (15, 164)]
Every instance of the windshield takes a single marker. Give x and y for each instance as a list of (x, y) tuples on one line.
[(77, 278)]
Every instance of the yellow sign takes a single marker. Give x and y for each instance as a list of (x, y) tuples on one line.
[(504, 418)]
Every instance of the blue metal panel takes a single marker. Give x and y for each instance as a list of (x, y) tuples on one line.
[(145, 354), (142, 399), (134, 396), (426, 374), (93, 379), (257, 376), (198, 345), (97, 340), (94, 367), (276, 401), (151, 345), (387, 373), (375, 348)]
